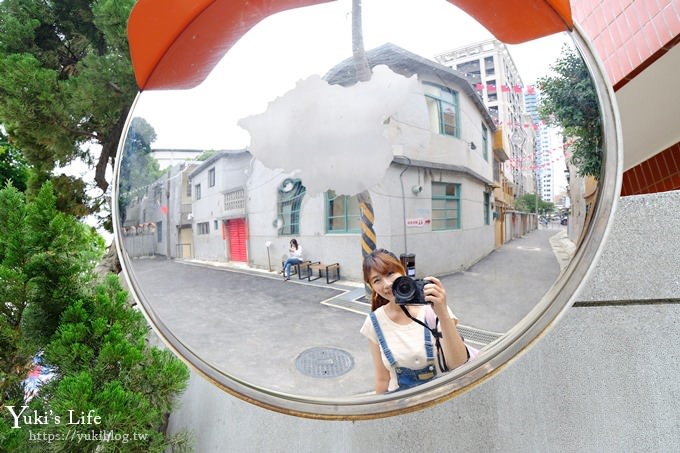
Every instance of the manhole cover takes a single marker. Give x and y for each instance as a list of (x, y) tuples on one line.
[(324, 362)]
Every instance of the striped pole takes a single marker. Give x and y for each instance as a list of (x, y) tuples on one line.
[(368, 238)]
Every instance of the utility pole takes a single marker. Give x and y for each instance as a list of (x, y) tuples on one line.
[(363, 73)]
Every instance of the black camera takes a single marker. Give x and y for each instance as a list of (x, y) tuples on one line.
[(409, 291)]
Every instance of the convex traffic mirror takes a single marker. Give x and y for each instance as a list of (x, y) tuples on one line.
[(254, 127)]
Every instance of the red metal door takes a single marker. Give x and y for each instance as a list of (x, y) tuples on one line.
[(237, 236)]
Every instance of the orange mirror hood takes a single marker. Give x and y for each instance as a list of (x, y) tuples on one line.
[(174, 44)]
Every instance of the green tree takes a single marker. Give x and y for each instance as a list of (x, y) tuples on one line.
[(569, 100), (66, 85), (95, 340), (527, 203), (106, 365), (46, 259), (13, 358), (13, 166), (137, 167), (106, 369)]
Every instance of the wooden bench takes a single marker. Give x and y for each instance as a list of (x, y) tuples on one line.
[(321, 268)]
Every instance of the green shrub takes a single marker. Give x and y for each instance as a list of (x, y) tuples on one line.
[(112, 391)]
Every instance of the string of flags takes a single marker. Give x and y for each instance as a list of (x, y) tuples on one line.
[(534, 167), (504, 88), (535, 125), (528, 162)]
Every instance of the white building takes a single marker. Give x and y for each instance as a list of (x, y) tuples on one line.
[(429, 201), (491, 68)]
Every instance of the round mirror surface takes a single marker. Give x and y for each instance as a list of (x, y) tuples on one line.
[(444, 154)]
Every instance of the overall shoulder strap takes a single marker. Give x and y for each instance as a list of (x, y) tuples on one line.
[(381, 340), (428, 340)]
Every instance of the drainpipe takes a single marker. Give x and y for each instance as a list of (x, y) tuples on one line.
[(403, 202)]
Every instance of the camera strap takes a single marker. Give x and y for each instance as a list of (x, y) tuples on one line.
[(435, 333)]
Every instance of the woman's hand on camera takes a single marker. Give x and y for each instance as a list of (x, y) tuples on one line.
[(436, 295)]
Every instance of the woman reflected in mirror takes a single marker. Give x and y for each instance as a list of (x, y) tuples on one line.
[(294, 257), (411, 330)]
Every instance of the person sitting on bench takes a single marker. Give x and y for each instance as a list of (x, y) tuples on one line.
[(294, 257)]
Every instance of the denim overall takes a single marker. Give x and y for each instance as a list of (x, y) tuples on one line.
[(407, 377)]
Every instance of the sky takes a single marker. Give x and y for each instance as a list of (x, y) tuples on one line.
[(280, 51)]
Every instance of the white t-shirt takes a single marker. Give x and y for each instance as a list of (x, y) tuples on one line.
[(407, 341)]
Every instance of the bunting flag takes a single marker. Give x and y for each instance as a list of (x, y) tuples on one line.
[(528, 162), (533, 125), (492, 88)]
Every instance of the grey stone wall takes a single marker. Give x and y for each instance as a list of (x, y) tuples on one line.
[(604, 379)]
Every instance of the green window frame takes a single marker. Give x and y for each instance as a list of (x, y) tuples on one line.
[(290, 194), (443, 102), (487, 207), (446, 206), (343, 214), (485, 142)]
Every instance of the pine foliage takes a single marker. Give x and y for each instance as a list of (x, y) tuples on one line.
[(88, 333)]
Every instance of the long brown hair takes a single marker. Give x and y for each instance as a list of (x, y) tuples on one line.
[(383, 262)]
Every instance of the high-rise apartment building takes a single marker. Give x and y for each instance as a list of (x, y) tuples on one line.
[(549, 159)]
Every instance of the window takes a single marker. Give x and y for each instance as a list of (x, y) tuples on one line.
[(197, 191), (445, 206), (158, 194), (487, 201), (215, 225), (485, 143), (290, 194), (493, 111), (489, 66), (442, 104), (235, 199), (342, 213), (159, 231), (188, 189), (203, 227), (211, 177)]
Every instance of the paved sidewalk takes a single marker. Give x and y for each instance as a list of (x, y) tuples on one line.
[(497, 292), (255, 326), (492, 296)]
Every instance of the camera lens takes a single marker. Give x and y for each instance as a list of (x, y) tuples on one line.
[(404, 288)]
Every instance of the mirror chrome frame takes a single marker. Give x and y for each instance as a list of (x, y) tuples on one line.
[(493, 358)]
